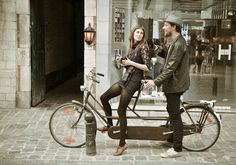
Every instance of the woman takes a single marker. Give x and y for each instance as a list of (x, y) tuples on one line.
[(135, 64)]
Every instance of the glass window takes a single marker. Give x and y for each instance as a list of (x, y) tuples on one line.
[(208, 26)]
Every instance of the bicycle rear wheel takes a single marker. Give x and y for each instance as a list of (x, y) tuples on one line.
[(203, 132), (67, 125)]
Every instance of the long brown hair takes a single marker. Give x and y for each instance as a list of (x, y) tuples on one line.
[(131, 38)]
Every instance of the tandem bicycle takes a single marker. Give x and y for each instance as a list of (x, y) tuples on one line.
[(201, 124)]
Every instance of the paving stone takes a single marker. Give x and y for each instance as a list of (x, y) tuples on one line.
[(28, 140)]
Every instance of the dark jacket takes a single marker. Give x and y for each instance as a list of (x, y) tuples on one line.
[(175, 76)]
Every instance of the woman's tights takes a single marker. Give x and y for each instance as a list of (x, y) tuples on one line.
[(125, 98)]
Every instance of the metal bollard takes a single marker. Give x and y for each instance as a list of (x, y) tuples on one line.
[(90, 133), (214, 87)]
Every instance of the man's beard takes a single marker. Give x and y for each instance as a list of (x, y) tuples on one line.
[(167, 34)]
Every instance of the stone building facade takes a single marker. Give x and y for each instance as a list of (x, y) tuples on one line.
[(14, 53), (15, 49)]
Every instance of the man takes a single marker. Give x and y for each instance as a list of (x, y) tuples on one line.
[(175, 80)]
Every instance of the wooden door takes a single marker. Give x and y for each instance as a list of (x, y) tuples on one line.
[(37, 52)]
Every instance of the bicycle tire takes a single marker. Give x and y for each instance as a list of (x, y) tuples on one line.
[(200, 138), (67, 125)]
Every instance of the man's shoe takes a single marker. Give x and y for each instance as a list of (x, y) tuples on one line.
[(120, 150), (171, 153), (103, 129)]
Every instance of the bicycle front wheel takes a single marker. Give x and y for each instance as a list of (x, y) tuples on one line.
[(201, 128), (67, 125)]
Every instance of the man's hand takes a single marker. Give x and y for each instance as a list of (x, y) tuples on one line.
[(148, 84)]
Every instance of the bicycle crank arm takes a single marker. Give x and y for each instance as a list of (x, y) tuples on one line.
[(140, 133)]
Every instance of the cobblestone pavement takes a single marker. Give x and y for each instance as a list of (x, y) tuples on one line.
[(25, 139)]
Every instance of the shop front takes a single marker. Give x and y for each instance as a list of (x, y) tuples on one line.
[(213, 78)]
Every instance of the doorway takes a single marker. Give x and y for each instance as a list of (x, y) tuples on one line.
[(57, 47)]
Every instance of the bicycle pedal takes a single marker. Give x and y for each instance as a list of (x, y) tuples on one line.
[(167, 133)]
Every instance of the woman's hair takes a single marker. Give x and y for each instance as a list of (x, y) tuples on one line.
[(131, 38)]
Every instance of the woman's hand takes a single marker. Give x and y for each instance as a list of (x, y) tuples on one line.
[(127, 62), (158, 48)]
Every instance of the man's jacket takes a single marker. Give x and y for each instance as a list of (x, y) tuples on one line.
[(175, 75)]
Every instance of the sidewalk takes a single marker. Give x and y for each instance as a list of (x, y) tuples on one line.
[(25, 139)]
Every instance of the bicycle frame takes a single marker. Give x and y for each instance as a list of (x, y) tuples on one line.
[(89, 106)]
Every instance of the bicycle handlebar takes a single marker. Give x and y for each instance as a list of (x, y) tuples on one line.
[(94, 73), (91, 76), (100, 74), (210, 103)]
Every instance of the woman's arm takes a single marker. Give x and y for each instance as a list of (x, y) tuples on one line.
[(146, 59), (139, 66)]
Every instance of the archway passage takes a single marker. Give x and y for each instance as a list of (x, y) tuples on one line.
[(61, 56)]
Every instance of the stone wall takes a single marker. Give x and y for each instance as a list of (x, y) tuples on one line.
[(14, 54), (23, 55), (7, 53)]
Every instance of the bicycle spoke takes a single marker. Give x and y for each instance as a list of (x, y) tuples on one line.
[(67, 126), (205, 130)]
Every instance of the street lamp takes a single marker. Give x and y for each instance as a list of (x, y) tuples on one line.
[(89, 34)]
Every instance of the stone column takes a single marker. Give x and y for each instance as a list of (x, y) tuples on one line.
[(99, 13), (23, 65), (90, 9), (104, 54)]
